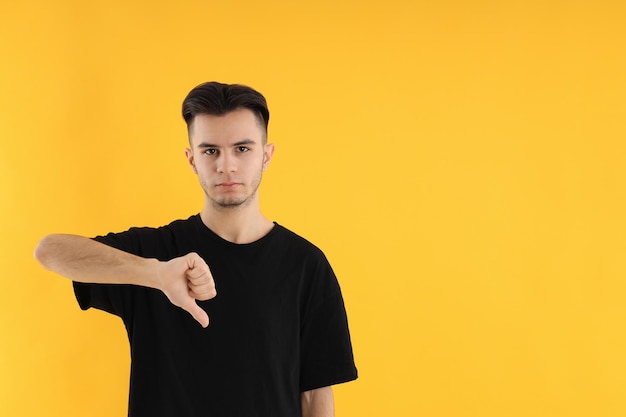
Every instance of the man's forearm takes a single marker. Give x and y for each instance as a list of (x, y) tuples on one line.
[(318, 403), (183, 280), (85, 260)]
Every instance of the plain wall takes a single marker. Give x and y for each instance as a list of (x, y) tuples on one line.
[(462, 165)]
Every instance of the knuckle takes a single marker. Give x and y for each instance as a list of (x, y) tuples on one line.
[(207, 294)]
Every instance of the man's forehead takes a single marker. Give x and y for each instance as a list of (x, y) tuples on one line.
[(226, 129)]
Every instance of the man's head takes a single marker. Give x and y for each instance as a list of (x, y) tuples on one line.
[(227, 127), (218, 99)]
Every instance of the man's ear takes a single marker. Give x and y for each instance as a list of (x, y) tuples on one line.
[(268, 152), (189, 155)]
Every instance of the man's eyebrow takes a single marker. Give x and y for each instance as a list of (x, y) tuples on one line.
[(204, 145), (244, 142)]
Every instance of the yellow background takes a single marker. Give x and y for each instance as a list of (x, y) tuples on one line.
[(462, 164)]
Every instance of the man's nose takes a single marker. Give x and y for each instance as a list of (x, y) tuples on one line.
[(226, 163)]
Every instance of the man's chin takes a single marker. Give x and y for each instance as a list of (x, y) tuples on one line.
[(230, 203)]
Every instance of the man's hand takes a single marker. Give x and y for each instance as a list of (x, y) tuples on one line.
[(187, 279), (183, 280)]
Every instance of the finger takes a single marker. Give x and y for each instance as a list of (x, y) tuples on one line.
[(197, 266), (199, 275), (203, 291), (199, 279), (197, 313)]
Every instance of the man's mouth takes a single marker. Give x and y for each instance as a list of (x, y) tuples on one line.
[(228, 184)]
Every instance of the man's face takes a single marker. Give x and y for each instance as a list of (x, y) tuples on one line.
[(228, 155)]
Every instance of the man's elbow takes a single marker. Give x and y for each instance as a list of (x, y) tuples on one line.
[(44, 252)]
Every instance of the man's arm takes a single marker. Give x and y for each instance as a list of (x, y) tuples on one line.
[(318, 403), (183, 280)]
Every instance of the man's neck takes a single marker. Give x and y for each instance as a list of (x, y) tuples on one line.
[(236, 224)]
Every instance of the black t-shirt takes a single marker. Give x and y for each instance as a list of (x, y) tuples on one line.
[(277, 326)]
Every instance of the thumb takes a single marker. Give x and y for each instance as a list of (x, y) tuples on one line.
[(197, 313)]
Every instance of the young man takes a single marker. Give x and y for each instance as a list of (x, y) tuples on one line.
[(278, 337)]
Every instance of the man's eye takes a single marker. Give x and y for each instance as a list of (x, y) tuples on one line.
[(210, 151), (243, 149)]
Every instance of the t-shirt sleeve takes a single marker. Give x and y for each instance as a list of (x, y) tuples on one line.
[(326, 349), (112, 298)]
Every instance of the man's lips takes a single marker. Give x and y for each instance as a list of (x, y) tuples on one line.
[(228, 184)]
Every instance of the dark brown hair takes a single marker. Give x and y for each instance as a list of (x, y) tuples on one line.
[(218, 99)]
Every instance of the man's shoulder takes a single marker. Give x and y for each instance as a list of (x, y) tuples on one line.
[(296, 241), (183, 225), (138, 239), (174, 225)]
